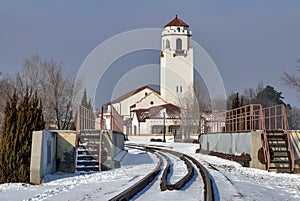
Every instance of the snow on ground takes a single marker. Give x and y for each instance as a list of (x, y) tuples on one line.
[(233, 181)]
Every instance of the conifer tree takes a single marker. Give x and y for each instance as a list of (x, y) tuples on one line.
[(236, 102), (8, 146), (21, 119)]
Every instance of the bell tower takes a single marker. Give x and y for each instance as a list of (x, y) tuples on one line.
[(176, 60)]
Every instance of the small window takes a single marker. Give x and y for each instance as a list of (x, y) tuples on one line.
[(177, 89), (178, 29), (146, 93), (151, 102), (178, 44), (180, 88), (167, 44)]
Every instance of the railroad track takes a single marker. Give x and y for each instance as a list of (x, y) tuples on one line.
[(231, 187), (163, 168)]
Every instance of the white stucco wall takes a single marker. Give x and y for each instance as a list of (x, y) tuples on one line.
[(152, 99), (123, 107), (176, 74)]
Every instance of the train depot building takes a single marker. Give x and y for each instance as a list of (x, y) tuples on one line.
[(98, 143)]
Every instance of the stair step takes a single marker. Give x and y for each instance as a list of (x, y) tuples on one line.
[(277, 145), (280, 161), (88, 169), (90, 148), (276, 139), (87, 160), (87, 164), (80, 158), (281, 154), (89, 140), (274, 168), (275, 131), (88, 136), (86, 142)]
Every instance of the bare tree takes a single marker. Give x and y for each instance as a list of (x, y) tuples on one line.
[(292, 80), (58, 92), (54, 89), (192, 105)]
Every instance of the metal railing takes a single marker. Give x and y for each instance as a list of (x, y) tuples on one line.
[(253, 117), (275, 118), (243, 119)]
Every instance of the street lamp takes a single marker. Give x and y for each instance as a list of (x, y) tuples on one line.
[(164, 131)]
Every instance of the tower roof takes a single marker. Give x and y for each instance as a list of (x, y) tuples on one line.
[(177, 22)]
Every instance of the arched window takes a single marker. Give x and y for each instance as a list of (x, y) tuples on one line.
[(178, 44), (167, 44)]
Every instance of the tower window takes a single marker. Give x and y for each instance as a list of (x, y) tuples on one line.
[(179, 89), (178, 29), (178, 44), (190, 42), (167, 44)]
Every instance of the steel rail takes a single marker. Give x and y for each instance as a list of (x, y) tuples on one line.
[(207, 180), (140, 185)]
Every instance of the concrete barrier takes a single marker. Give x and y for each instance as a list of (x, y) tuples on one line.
[(230, 143), (113, 144), (235, 143), (43, 155), (65, 153), (51, 151)]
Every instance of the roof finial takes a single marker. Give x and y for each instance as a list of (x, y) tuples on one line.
[(176, 16)]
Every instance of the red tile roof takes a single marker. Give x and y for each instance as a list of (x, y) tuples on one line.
[(127, 95), (177, 22), (172, 112)]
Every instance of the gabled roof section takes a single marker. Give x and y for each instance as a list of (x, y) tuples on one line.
[(177, 22), (157, 95), (131, 93), (157, 112)]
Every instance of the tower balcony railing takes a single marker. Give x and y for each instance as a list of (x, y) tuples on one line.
[(180, 53)]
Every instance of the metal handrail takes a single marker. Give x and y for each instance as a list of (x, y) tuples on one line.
[(289, 140), (265, 139)]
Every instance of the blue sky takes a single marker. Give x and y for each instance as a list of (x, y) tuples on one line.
[(249, 41)]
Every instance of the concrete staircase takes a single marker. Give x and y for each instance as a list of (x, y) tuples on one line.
[(280, 156), (88, 151)]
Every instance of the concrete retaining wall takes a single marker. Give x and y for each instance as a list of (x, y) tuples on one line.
[(113, 144), (230, 143), (235, 143), (250, 143), (51, 151), (43, 155), (66, 142)]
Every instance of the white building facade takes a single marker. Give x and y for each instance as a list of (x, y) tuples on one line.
[(141, 109), (176, 60)]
